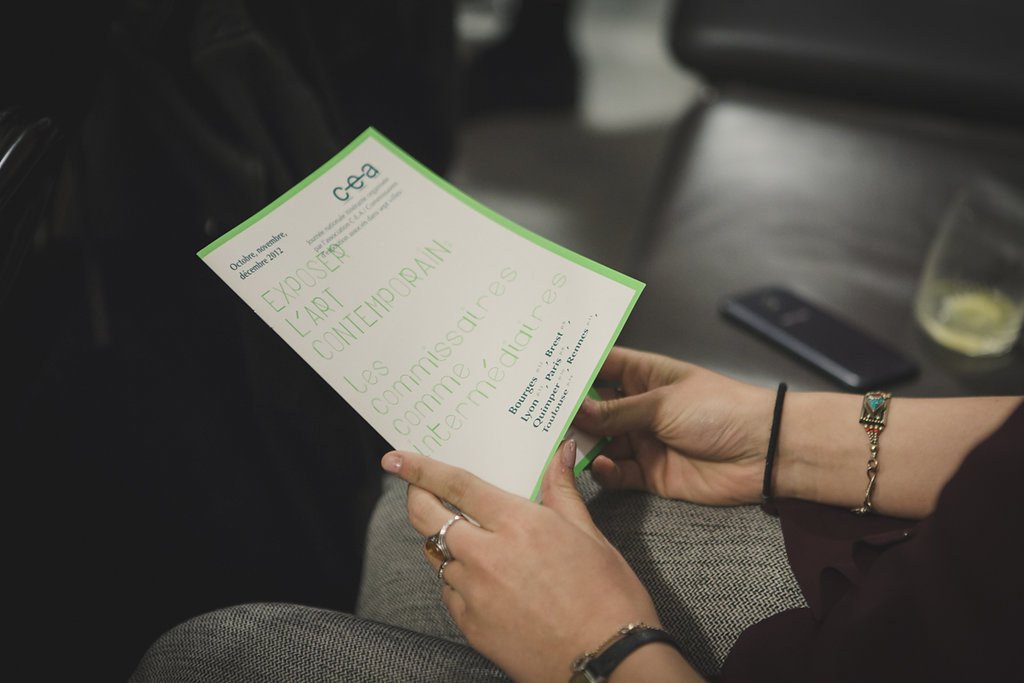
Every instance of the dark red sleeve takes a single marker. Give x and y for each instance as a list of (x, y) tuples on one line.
[(894, 600)]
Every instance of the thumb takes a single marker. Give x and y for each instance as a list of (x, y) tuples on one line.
[(558, 488)]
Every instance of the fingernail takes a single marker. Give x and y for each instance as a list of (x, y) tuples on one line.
[(391, 462), (569, 453)]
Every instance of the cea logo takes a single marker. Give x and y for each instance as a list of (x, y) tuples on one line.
[(355, 182)]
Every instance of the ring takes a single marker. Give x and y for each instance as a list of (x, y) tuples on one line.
[(436, 546), (440, 573)]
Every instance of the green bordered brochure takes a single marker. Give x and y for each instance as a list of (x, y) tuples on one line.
[(452, 330)]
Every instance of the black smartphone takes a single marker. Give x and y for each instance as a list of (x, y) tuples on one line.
[(820, 338)]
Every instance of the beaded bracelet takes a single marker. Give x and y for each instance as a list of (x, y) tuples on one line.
[(873, 412)]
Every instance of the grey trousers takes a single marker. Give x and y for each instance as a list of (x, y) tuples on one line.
[(711, 572)]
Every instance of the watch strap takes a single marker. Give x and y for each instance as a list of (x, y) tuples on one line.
[(602, 665)]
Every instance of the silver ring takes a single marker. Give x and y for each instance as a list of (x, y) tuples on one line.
[(440, 573), (436, 546)]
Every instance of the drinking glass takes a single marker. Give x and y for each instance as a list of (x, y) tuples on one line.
[(970, 297)]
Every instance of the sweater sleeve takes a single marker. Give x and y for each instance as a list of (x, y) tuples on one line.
[(897, 600)]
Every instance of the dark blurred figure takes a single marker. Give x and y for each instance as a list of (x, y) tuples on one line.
[(167, 453), (533, 67)]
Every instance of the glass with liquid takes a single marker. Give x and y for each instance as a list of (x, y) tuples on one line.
[(971, 294)]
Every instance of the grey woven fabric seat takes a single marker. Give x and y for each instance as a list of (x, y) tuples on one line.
[(274, 642), (711, 571)]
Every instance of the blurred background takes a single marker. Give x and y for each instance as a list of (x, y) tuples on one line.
[(578, 170)]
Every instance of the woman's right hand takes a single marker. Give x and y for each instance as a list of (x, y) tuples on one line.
[(679, 430)]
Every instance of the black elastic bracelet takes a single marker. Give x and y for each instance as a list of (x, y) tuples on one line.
[(773, 445)]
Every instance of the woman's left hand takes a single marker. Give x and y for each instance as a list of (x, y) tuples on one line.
[(533, 586)]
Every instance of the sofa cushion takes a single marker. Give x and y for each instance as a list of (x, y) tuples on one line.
[(956, 56), (836, 202)]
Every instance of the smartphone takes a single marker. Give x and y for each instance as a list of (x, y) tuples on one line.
[(819, 338)]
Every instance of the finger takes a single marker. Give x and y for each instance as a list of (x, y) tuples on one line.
[(612, 475), (454, 575), (619, 358), (445, 572), (484, 502), (620, 415), (454, 601), (558, 488), (619, 447), (641, 371), (428, 516), (426, 512)]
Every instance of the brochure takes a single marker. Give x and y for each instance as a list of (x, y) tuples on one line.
[(453, 331)]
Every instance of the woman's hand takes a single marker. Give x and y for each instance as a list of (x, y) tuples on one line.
[(681, 431), (533, 586)]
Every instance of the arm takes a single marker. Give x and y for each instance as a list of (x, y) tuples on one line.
[(683, 431), (823, 451)]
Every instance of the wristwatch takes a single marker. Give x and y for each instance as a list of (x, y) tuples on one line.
[(595, 667)]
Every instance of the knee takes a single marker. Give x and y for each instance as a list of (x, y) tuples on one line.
[(215, 646)]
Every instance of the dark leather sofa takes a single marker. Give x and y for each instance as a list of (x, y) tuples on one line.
[(821, 157)]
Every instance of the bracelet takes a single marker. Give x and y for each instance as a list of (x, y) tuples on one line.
[(873, 412), (773, 444), (597, 665)]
